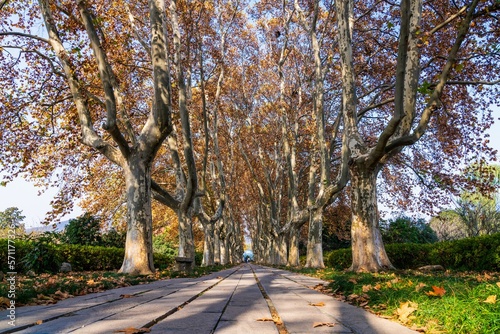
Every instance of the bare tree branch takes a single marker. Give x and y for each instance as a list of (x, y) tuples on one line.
[(16, 33)]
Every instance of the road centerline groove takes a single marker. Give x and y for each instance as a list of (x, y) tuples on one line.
[(280, 325)]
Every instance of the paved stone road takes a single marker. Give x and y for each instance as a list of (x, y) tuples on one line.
[(240, 300)]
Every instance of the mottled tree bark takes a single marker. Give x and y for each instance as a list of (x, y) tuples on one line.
[(314, 239), (138, 258), (186, 240), (368, 250), (293, 247), (208, 245)]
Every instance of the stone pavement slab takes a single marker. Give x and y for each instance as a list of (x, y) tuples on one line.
[(244, 299)]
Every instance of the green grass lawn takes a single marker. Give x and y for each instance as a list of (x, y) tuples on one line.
[(438, 302)]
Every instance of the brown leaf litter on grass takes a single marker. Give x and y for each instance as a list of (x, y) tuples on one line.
[(405, 310), (436, 291), (491, 299)]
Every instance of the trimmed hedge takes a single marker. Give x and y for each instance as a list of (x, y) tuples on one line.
[(48, 257), (478, 253)]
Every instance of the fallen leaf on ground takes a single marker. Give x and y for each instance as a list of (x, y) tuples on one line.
[(395, 280), (352, 296), (317, 304), (132, 330), (320, 324), (39, 322), (4, 302), (367, 287), (126, 296), (420, 286), (277, 321), (61, 295), (404, 311), (436, 291), (491, 299), (498, 284), (363, 304)]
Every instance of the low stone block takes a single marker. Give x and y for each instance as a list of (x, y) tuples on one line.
[(183, 264)]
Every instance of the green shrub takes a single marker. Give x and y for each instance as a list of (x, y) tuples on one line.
[(113, 238), (84, 230), (162, 246), (90, 258), (162, 261), (198, 258), (22, 248), (477, 254), (405, 256), (407, 230), (41, 255), (339, 259)]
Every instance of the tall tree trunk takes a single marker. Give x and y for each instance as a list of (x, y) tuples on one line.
[(293, 249), (267, 249), (314, 239), (368, 251), (186, 240), (224, 256), (138, 258), (217, 242), (208, 245), (281, 249)]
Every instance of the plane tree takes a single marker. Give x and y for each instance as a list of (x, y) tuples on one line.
[(94, 70), (407, 70)]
